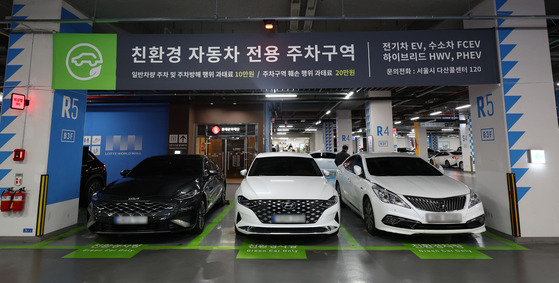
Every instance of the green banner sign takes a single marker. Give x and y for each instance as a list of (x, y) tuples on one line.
[(84, 61)]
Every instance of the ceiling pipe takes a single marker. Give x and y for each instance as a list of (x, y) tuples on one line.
[(94, 20)]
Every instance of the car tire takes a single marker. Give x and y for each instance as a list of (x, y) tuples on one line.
[(200, 218), (222, 200), (447, 164), (461, 165), (92, 186), (338, 189), (369, 217)]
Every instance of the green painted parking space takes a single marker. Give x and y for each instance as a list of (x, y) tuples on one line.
[(264, 247)]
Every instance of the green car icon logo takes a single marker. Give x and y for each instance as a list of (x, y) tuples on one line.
[(84, 61)]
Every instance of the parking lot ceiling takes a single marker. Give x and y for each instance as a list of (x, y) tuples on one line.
[(245, 16)]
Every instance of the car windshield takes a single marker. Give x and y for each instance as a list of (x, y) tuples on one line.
[(284, 166), (167, 166), (400, 166)]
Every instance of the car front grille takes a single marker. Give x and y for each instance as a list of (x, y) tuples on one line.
[(438, 204), (264, 209), (132, 208)]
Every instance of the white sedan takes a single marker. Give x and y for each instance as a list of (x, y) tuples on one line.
[(286, 193), (404, 194)]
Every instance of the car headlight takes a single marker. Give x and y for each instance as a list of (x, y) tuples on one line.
[(246, 202), (94, 197), (474, 198), (186, 193), (330, 202), (387, 196)]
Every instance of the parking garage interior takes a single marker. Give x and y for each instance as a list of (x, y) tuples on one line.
[(49, 240)]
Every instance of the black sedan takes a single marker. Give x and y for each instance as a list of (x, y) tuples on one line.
[(161, 194)]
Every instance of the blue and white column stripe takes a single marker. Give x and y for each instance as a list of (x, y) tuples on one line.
[(511, 98)]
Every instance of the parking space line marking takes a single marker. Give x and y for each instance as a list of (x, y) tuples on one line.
[(61, 236), (349, 238), (211, 226), (511, 245)]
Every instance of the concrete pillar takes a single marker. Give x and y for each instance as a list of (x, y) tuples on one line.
[(343, 130), (50, 129), (466, 139), (378, 115), (421, 141), (514, 117)]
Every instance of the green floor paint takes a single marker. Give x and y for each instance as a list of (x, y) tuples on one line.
[(263, 249), (104, 250), (445, 251), (252, 250)]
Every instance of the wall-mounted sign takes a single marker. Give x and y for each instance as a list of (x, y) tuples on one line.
[(18, 101), (278, 60), (536, 156)]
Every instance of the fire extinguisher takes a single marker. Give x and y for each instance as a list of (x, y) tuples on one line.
[(19, 200), (6, 204)]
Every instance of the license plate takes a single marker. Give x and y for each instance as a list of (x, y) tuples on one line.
[(444, 217), (131, 220), (289, 218)]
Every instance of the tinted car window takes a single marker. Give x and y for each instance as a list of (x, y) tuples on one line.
[(400, 166), (159, 166), (284, 166)]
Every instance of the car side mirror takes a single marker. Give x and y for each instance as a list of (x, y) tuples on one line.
[(243, 172), (325, 172), (440, 167), (358, 170), (124, 173)]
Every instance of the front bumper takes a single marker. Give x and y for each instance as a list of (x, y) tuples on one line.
[(247, 222), (409, 221), (162, 216)]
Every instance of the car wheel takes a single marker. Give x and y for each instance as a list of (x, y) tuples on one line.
[(369, 217), (92, 186), (339, 194), (221, 201), (461, 165), (447, 164), (200, 218)]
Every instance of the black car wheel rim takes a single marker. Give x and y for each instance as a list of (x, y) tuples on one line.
[(369, 218), (93, 187)]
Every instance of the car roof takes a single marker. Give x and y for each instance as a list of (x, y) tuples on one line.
[(283, 154), (385, 154)]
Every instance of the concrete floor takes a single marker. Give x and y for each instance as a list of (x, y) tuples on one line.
[(218, 255)]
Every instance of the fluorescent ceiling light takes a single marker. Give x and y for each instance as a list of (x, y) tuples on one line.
[(397, 122), (283, 130), (348, 95), (310, 130), (462, 107), (289, 126), (414, 118), (286, 95), (447, 130), (328, 112), (281, 133), (318, 122), (436, 113)]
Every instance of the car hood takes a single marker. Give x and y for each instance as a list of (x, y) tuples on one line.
[(142, 188), (286, 188), (423, 186)]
